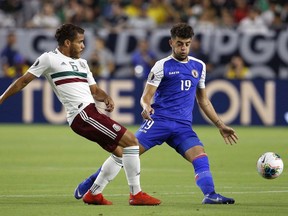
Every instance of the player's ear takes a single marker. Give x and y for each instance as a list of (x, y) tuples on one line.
[(170, 42), (67, 43)]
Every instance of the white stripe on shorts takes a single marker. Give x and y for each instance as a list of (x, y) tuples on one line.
[(97, 125)]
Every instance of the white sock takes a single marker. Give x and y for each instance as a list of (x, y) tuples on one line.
[(131, 164), (110, 169)]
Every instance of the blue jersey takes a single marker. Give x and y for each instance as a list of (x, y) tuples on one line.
[(176, 83)]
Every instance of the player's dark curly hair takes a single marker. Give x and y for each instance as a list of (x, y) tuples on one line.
[(182, 30), (67, 31)]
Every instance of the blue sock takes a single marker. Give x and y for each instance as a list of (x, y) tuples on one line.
[(203, 176), (94, 175)]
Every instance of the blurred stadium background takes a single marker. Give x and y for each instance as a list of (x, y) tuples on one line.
[(248, 36), (244, 44)]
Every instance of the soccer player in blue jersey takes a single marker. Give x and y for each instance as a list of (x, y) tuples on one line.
[(174, 82)]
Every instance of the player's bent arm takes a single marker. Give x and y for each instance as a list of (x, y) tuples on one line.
[(147, 95), (101, 96), (146, 100), (17, 86), (207, 107)]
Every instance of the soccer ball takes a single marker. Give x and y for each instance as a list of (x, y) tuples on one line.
[(270, 165)]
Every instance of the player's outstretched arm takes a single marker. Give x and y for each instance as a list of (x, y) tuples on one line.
[(205, 104), (17, 86)]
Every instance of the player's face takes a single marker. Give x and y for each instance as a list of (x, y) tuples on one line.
[(77, 46), (180, 47)]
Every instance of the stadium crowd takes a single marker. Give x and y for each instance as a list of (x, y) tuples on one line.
[(118, 15), (129, 13)]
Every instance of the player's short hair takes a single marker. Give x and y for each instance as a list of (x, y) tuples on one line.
[(67, 31), (182, 30)]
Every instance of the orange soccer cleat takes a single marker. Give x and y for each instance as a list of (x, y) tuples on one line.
[(142, 198), (98, 199)]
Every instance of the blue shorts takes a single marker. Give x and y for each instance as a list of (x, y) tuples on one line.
[(179, 136)]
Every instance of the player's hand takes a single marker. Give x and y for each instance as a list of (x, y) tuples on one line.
[(229, 135), (147, 111), (109, 104)]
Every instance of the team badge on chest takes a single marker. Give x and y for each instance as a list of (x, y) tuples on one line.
[(195, 73)]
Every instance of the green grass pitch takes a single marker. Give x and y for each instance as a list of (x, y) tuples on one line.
[(40, 165)]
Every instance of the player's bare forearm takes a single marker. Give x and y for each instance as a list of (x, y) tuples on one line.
[(97, 93), (205, 104), (146, 100), (207, 107), (227, 133), (147, 109), (101, 96), (210, 112)]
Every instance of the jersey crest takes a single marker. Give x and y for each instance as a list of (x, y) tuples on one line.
[(116, 127), (195, 73)]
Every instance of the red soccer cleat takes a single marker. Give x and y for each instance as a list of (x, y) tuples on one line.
[(98, 199), (142, 198)]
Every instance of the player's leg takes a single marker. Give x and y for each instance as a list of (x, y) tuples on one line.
[(147, 144), (150, 134), (203, 176), (101, 129), (111, 168), (159, 129), (131, 165), (187, 143), (109, 134), (86, 184), (107, 172)]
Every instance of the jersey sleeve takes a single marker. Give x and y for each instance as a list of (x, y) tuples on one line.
[(40, 66), (201, 83), (156, 74)]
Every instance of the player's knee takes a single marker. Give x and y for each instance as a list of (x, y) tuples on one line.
[(118, 152), (195, 152), (128, 139), (133, 141)]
